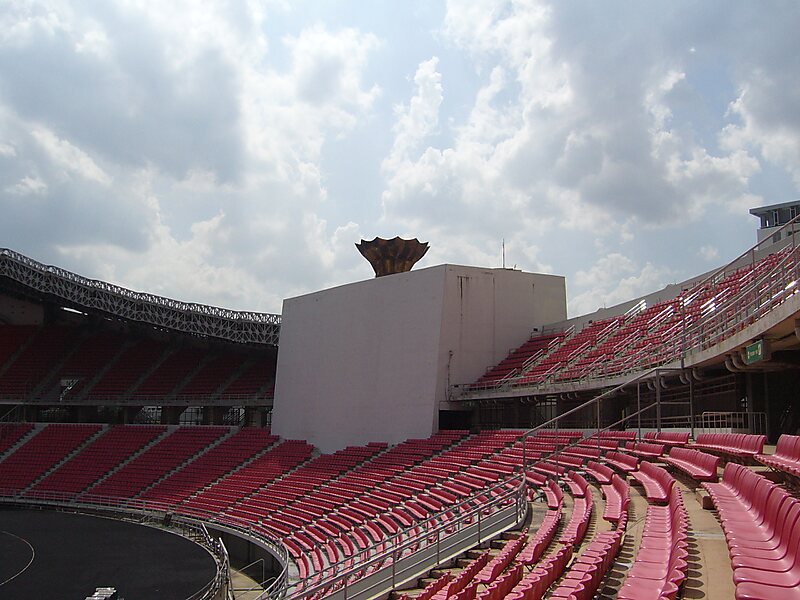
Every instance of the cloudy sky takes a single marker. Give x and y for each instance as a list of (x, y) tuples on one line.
[(233, 153)]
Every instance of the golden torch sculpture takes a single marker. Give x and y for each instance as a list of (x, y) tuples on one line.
[(388, 257)]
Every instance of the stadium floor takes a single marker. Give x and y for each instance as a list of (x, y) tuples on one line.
[(48, 554)]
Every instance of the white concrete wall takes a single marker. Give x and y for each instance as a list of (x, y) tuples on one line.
[(370, 361), (488, 313)]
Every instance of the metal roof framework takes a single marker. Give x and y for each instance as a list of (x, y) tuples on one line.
[(185, 317)]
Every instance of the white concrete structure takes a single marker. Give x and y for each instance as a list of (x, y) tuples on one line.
[(370, 361), (772, 218)]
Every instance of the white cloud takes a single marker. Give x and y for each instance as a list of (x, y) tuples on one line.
[(420, 118), (27, 186), (611, 280), (7, 150), (767, 110), (194, 149), (709, 253), (71, 158)]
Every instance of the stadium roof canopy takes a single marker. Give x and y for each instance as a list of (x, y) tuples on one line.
[(58, 285)]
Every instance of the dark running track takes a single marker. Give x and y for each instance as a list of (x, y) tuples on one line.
[(47, 554)]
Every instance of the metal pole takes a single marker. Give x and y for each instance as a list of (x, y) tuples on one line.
[(691, 404), (658, 401), (639, 408), (394, 563), (597, 410)]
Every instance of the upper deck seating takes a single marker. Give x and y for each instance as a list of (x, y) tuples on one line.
[(167, 376), (254, 380), (13, 338), (517, 359), (11, 433), (132, 364), (32, 365), (213, 374), (88, 359)]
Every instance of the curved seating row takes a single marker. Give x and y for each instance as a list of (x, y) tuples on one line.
[(786, 457), (599, 472), (535, 584), (500, 587), (553, 494), (739, 445), (588, 570), (617, 495), (463, 579), (645, 450), (497, 564), (660, 564), (696, 464), (575, 530), (761, 522), (539, 542), (621, 461), (657, 482), (670, 438)]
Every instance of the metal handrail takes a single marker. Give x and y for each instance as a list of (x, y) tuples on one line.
[(434, 530), (720, 319)]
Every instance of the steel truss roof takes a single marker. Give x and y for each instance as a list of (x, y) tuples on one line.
[(93, 295)]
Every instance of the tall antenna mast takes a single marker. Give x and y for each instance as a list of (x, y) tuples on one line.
[(504, 252)]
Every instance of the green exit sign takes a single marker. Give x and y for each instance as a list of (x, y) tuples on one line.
[(754, 352)]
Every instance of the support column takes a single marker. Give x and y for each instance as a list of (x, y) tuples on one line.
[(170, 415), (214, 415), (129, 414)]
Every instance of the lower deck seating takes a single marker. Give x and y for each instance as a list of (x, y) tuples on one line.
[(617, 495), (761, 522), (660, 565), (697, 465), (670, 438), (786, 458), (40, 453), (657, 482), (739, 445)]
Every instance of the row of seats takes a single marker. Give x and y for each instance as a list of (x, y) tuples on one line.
[(786, 458), (642, 339), (40, 453), (109, 364), (738, 445), (761, 522), (585, 574), (660, 565)]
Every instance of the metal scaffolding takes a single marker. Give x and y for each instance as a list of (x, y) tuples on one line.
[(92, 295)]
